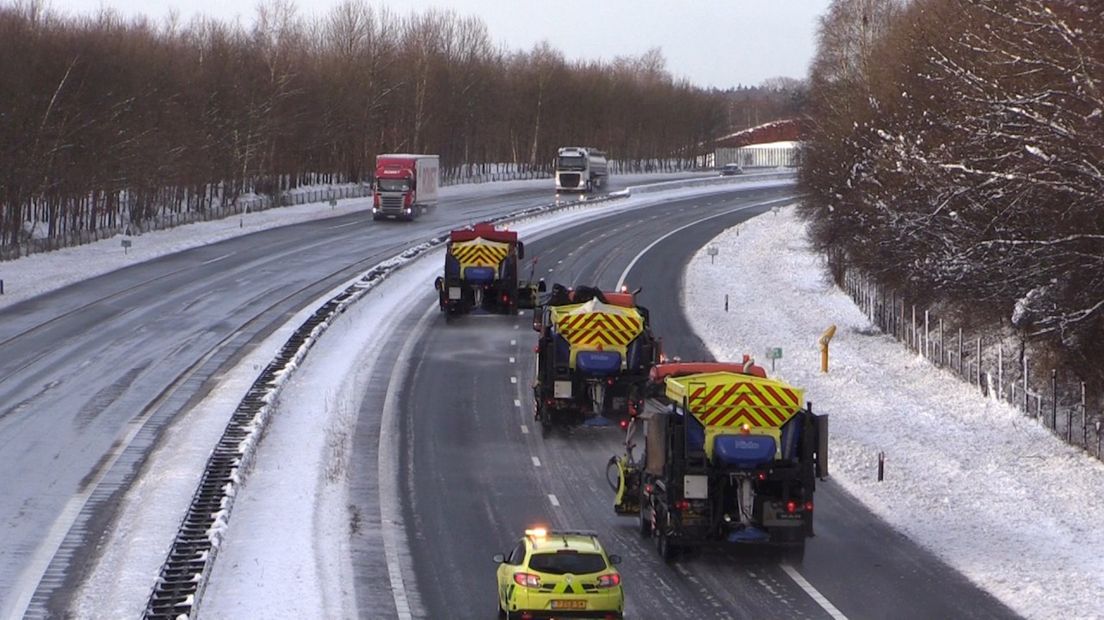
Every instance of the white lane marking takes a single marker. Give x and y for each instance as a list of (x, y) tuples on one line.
[(517, 403), (536, 462), (513, 379), (625, 273), (524, 429), (343, 225), (813, 592), (35, 571), (555, 502), (513, 360), (391, 518), (557, 262), (513, 343), (550, 270), (215, 260)]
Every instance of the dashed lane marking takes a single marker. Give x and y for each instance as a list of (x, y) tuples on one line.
[(536, 462), (513, 360), (555, 502), (517, 402), (524, 429), (824, 603), (513, 379)]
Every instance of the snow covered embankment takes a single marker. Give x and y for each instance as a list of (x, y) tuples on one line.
[(992, 493)]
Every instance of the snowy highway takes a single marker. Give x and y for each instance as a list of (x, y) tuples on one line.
[(403, 453), (91, 373), (476, 470)]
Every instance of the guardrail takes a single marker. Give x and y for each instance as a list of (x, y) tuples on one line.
[(183, 576)]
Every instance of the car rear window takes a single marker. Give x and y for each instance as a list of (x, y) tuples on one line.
[(561, 563)]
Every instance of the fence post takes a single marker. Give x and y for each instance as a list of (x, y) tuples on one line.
[(1025, 388), (942, 348), (913, 342), (1084, 419), (1054, 406), (979, 364), (927, 337), (960, 372)]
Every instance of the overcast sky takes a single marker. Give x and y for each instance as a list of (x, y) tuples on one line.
[(718, 43)]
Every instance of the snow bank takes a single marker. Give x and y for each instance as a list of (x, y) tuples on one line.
[(991, 492)]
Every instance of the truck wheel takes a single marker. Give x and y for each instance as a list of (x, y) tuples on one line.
[(665, 546), (644, 522)]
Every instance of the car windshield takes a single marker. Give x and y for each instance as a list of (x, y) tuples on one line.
[(394, 185), (561, 563), (571, 163)]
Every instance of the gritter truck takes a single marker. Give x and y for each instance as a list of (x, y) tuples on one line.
[(481, 272), (405, 186), (593, 356), (731, 457)]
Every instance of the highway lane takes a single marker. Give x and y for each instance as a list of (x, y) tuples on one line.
[(92, 373), (478, 470)]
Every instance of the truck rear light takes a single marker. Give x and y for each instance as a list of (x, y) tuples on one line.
[(624, 423), (683, 504), (528, 580), (609, 581), (761, 475), (809, 506), (791, 506), (648, 489)]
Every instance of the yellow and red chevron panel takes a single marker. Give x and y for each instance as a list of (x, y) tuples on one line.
[(597, 325), (732, 399), (479, 252)]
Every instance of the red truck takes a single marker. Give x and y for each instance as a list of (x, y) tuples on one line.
[(405, 186)]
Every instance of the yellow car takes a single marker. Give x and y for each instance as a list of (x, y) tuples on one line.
[(559, 574)]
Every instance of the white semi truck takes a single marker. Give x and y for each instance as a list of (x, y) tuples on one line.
[(581, 169)]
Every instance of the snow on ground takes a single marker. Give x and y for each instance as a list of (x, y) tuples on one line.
[(285, 548), (991, 492), (40, 273)]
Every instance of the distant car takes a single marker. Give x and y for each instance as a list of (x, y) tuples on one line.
[(559, 574), (731, 170)]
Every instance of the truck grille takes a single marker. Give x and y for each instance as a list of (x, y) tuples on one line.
[(391, 204), (569, 180)]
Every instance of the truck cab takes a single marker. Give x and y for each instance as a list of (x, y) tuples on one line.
[(405, 186)]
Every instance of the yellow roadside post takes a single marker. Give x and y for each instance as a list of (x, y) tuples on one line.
[(822, 344)]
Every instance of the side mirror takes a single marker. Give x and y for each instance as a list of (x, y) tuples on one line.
[(439, 283), (521, 250), (614, 558), (499, 558), (541, 286)]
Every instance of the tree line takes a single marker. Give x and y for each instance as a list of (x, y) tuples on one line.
[(955, 153), (105, 120)]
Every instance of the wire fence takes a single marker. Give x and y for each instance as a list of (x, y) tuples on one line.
[(173, 207), (998, 369)]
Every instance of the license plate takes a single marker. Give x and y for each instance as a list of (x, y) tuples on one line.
[(454, 292), (568, 604)]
